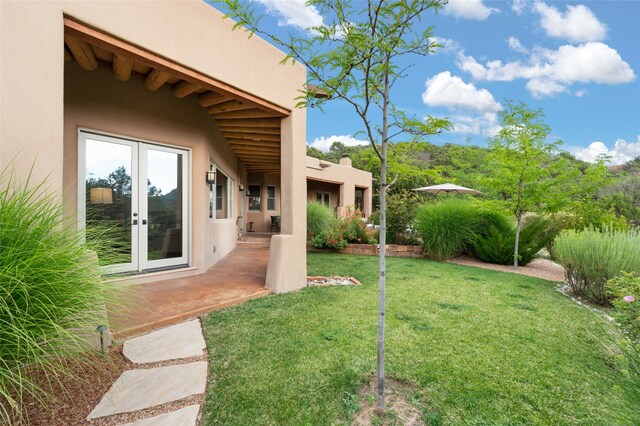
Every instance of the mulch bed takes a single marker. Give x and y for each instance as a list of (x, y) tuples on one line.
[(74, 395)]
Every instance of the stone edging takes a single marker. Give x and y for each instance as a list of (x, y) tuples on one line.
[(393, 250)]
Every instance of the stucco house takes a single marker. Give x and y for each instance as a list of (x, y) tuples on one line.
[(340, 186), (154, 122)]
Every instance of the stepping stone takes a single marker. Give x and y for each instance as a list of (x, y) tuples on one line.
[(139, 389), (182, 340), (186, 416)]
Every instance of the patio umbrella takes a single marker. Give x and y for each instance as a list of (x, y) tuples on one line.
[(448, 188)]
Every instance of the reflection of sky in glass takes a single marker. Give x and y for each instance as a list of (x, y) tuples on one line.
[(104, 157), (163, 170)]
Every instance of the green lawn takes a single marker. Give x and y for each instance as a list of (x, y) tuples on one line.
[(479, 347)]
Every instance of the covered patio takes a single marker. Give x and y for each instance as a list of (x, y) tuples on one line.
[(232, 281)]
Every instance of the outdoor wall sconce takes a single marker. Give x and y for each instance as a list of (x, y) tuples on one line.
[(211, 177), (241, 187), (101, 196)]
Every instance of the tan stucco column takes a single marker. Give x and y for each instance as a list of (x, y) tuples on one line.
[(287, 268)]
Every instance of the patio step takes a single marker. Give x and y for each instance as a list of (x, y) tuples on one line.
[(255, 239), (257, 243)]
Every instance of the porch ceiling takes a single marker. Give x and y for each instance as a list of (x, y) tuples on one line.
[(250, 125)]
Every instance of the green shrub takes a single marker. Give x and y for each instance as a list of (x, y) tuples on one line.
[(354, 229), (401, 210), (51, 288), (331, 237), (446, 228), (319, 217), (625, 291), (592, 256), (498, 242)]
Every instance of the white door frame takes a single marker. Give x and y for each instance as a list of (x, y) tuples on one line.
[(139, 209)]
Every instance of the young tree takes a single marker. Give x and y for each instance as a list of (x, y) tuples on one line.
[(521, 155), (357, 56)]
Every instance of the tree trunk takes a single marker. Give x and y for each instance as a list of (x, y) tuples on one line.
[(382, 278), (515, 252)]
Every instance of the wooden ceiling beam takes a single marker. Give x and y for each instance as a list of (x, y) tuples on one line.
[(67, 54), (252, 160), (251, 136), (87, 34), (252, 130), (102, 54), (247, 113), (246, 143), (230, 106), (155, 79), (184, 89), (257, 122), (81, 52), (257, 152), (210, 99), (122, 67)]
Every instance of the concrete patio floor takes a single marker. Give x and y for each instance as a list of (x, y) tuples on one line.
[(238, 277)]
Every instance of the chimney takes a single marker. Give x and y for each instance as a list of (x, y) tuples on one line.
[(345, 161)]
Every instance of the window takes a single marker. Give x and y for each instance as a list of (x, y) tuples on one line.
[(323, 197), (359, 199), (218, 197), (271, 197), (220, 200), (255, 198)]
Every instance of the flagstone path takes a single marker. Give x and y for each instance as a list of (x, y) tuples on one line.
[(172, 368)]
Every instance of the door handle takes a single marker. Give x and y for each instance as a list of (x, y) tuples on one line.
[(135, 221), (144, 221)]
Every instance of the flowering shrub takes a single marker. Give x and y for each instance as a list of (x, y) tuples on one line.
[(626, 292), (354, 229), (331, 237)]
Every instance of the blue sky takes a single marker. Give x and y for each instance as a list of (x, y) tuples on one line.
[(578, 61)]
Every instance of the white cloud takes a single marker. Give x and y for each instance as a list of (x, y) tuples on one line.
[(580, 93), (451, 92), (475, 110), (577, 24), (516, 46), (541, 87), (323, 143), (551, 71), (484, 124), (518, 6), (448, 45), (294, 12), (468, 9), (622, 151)]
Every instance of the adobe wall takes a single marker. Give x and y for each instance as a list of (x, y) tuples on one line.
[(191, 33), (96, 100), (348, 179)]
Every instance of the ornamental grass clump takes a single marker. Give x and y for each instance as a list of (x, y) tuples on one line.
[(319, 218), (446, 228), (593, 256), (52, 292)]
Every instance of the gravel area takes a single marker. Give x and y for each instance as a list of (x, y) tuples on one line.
[(539, 268)]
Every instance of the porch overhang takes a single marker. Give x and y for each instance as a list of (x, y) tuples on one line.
[(251, 125)]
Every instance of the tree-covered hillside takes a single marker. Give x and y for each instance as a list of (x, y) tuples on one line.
[(588, 193)]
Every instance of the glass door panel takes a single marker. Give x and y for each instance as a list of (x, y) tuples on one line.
[(164, 212), (133, 202), (110, 200)]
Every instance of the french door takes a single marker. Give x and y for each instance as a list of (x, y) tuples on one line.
[(133, 202)]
